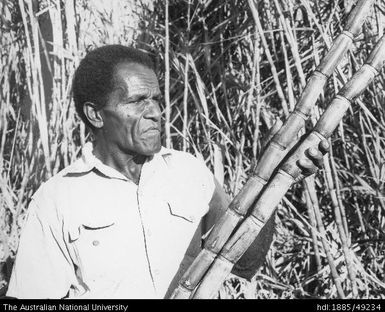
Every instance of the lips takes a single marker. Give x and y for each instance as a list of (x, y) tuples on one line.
[(152, 129)]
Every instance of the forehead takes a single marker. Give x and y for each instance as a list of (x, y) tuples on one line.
[(135, 76)]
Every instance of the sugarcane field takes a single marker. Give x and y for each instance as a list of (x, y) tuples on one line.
[(192, 149)]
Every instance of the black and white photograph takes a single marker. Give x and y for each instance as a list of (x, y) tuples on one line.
[(192, 149)]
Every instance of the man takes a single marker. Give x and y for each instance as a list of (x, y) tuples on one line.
[(126, 219)]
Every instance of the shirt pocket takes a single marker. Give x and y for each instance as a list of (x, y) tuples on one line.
[(178, 231), (95, 242), (186, 209), (179, 212), (182, 222), (184, 204)]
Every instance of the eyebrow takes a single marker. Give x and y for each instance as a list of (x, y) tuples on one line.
[(154, 94)]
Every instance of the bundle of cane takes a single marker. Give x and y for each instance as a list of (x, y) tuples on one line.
[(287, 174), (277, 149)]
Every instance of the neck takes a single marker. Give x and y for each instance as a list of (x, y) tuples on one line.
[(128, 164)]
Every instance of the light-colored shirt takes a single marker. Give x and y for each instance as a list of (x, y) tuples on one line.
[(92, 232)]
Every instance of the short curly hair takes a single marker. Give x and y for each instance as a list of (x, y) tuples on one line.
[(93, 79)]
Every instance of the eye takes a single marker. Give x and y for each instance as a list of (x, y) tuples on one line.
[(140, 99), (135, 99)]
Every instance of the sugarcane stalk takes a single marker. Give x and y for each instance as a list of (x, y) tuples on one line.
[(309, 184), (287, 174), (275, 152), (269, 57), (343, 232), (167, 78), (337, 194), (313, 230)]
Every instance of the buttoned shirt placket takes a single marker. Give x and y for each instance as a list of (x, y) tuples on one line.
[(91, 160), (144, 194)]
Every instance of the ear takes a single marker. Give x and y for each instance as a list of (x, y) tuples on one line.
[(93, 115)]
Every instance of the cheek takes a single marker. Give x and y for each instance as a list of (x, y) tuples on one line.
[(134, 128), (116, 124)]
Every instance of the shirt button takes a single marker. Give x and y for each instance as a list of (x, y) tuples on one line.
[(149, 233), (95, 243), (156, 272)]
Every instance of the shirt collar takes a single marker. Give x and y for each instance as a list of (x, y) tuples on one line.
[(89, 162)]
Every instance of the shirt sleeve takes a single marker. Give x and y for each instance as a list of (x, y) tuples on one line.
[(204, 182), (42, 268), (207, 181), (191, 185)]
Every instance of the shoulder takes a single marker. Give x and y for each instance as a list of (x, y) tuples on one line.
[(190, 173), (183, 159), (53, 191), (52, 183), (187, 166)]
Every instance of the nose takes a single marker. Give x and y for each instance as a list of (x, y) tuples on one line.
[(152, 110)]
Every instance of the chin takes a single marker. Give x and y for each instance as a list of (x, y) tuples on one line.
[(151, 151)]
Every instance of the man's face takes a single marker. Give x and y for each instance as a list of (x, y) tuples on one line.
[(131, 117)]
